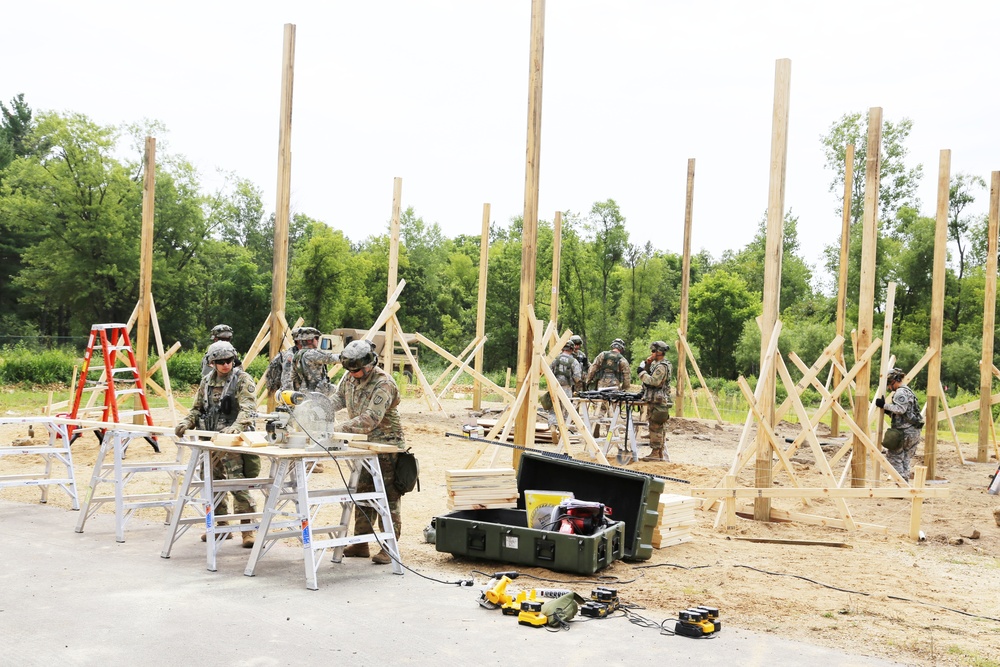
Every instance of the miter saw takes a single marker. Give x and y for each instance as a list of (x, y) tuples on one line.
[(302, 420)]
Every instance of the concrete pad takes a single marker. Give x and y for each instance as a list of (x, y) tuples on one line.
[(84, 599)]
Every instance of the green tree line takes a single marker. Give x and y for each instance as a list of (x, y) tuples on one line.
[(70, 219)]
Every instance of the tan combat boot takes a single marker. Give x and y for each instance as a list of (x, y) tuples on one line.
[(359, 550), (229, 536), (655, 455), (248, 536), (382, 558)]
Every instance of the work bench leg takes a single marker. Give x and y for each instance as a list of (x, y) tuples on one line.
[(182, 498), (278, 474)]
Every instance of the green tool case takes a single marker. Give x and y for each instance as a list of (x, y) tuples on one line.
[(503, 534)]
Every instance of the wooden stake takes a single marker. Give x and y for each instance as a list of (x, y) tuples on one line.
[(390, 340), (556, 257), (524, 432), (279, 275), (919, 480), (772, 269), (484, 256), (885, 357), (845, 242), (989, 323), (937, 312), (682, 376), (866, 297), (145, 270)]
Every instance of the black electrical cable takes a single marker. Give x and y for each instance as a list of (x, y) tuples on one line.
[(891, 597), (362, 509), (599, 581), (820, 583)]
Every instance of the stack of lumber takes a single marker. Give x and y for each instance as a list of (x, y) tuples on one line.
[(481, 489), (676, 520)]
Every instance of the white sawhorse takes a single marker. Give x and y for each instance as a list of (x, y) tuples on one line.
[(201, 492), (118, 472), (292, 508), (56, 451)]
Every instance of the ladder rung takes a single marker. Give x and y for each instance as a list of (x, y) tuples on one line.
[(119, 347), (124, 369), (96, 387), (125, 392), (95, 408)]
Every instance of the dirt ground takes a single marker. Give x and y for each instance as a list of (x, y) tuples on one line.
[(935, 602)]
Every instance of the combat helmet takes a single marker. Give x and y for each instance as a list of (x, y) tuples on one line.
[(576, 340), (895, 375), (221, 349), (892, 439), (222, 332), (568, 346), (618, 343), (357, 355), (658, 346)]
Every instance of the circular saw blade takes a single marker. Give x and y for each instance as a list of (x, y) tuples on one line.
[(315, 415)]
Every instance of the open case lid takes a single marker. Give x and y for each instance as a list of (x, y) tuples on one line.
[(633, 497)]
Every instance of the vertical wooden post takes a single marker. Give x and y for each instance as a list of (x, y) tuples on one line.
[(845, 242), (390, 338), (866, 296), (142, 322), (682, 376), (772, 275), (989, 324), (484, 256), (556, 251), (937, 313), (524, 428), (283, 198)]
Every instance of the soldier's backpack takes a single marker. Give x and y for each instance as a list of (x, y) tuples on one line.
[(272, 376)]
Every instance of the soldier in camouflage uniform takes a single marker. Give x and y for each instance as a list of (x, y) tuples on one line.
[(654, 374), (286, 361), (570, 376), (219, 332), (610, 369), (309, 365), (372, 399), (579, 354), (906, 417), (225, 402)]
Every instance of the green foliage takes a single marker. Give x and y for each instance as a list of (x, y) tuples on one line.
[(185, 368), (719, 306), (21, 365), (960, 365)]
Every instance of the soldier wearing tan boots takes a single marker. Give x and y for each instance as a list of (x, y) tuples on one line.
[(654, 374)]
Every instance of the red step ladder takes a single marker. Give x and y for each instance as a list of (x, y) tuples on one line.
[(112, 339)]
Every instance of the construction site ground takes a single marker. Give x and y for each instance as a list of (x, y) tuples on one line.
[(935, 602)]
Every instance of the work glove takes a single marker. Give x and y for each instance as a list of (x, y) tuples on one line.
[(880, 402), (180, 429), (642, 366), (234, 429)]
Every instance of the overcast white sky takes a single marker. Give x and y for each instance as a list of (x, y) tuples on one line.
[(436, 92)]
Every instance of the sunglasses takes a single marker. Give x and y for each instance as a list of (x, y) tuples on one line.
[(223, 362), (358, 371)]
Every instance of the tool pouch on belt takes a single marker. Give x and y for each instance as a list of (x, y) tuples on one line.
[(406, 472)]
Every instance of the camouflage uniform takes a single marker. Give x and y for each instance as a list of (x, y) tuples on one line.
[(610, 369), (570, 376), (905, 411), (372, 408), (207, 414), (309, 371), (286, 368), (582, 358), (656, 392)]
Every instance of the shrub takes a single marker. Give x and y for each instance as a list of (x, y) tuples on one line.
[(18, 364)]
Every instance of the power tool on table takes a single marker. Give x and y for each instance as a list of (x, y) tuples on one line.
[(302, 420)]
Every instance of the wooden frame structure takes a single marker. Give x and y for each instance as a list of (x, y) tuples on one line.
[(546, 345)]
